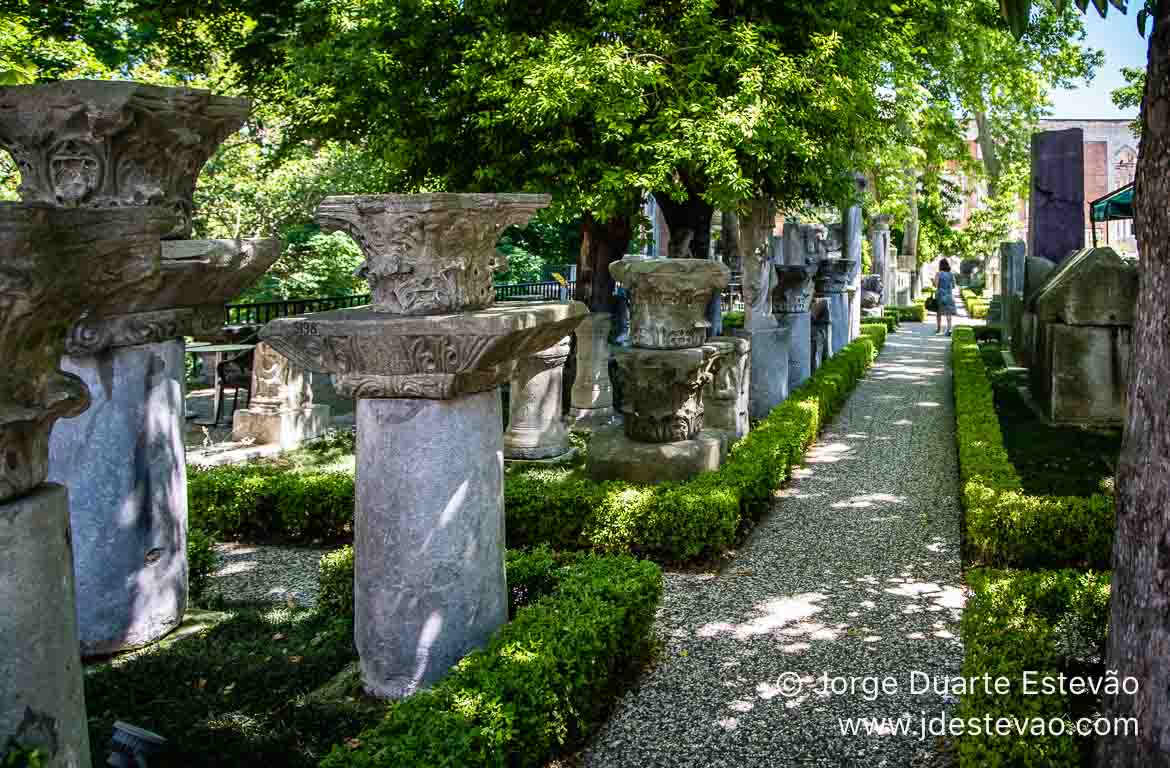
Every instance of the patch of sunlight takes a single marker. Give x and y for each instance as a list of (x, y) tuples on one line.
[(728, 723), (868, 500), (928, 404), (742, 706), (795, 648), (233, 568), (776, 615)]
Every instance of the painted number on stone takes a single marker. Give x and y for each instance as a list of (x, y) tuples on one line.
[(307, 329)]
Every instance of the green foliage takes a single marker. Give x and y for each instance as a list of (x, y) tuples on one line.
[(976, 306), (202, 562), (914, 313), (732, 320), (1129, 96), (1044, 623), (264, 502), (335, 582), (17, 756), (543, 682), (889, 322), (543, 243), (1004, 525)]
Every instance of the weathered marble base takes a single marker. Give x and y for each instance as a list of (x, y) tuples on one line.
[(548, 442), (123, 462), (592, 391), (428, 537), (613, 456), (288, 428), (553, 461), (800, 349), (42, 702), (839, 317), (769, 368)]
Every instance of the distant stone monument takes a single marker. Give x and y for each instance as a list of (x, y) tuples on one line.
[(592, 392), (280, 408), (726, 395), (795, 268), (425, 362), (1056, 225), (880, 250), (852, 233), (55, 265), (663, 375), (832, 280), (103, 144)]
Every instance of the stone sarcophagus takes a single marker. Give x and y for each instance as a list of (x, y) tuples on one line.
[(1083, 323)]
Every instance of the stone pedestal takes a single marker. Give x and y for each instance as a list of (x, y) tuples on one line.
[(42, 700), (425, 366), (592, 392), (902, 283), (663, 398), (831, 282), (124, 462), (791, 303), (770, 367), (879, 245), (726, 396), (428, 537), (613, 455), (280, 410), (535, 429)]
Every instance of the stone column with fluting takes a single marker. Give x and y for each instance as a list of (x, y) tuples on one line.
[(535, 428), (853, 231), (56, 266), (280, 408), (103, 145), (591, 398), (424, 363), (879, 248)]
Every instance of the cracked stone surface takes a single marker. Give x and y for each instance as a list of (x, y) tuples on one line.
[(854, 572)]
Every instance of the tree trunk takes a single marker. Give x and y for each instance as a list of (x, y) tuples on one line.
[(991, 162), (1139, 625), (690, 225), (602, 243)]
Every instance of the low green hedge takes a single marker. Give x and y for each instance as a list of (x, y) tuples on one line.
[(562, 507), (1044, 623), (545, 679), (1004, 525), (890, 322), (914, 313), (202, 562), (732, 320)]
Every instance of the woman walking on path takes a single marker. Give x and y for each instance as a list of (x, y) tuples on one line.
[(944, 294)]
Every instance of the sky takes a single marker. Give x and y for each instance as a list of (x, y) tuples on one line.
[(1117, 35)]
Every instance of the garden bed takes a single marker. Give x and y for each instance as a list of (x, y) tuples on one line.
[(242, 692)]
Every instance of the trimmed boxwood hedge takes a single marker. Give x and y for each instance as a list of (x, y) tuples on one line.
[(1041, 622), (1004, 525), (562, 507), (543, 682), (914, 313), (889, 321)]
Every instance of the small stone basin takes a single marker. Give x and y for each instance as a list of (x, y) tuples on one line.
[(669, 298), (373, 354)]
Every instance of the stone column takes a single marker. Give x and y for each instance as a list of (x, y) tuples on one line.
[(879, 246), (424, 366), (1056, 224), (791, 302), (853, 231), (726, 395), (58, 265), (822, 332), (1012, 261), (592, 393), (832, 279), (280, 410), (102, 145), (535, 429)]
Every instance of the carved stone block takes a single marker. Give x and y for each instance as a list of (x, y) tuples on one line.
[(113, 144), (663, 397), (429, 254), (669, 299)]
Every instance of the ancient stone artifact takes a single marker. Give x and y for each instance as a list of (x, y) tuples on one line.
[(880, 248), (663, 375), (535, 428), (592, 391), (106, 145), (1056, 226), (795, 267), (55, 265), (1012, 258), (821, 333), (280, 408), (425, 363), (725, 396), (832, 282), (1084, 322), (852, 233)]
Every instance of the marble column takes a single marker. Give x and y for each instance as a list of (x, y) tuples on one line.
[(1013, 259), (425, 367), (853, 231), (280, 408), (832, 279), (535, 428), (591, 397), (104, 145), (791, 301), (879, 246), (58, 265)]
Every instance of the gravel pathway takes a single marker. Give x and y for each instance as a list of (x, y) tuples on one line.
[(855, 572), (249, 573)]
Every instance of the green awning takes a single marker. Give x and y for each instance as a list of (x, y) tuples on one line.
[(1118, 204)]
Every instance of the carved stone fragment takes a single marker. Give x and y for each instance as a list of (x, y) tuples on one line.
[(664, 399), (669, 299)]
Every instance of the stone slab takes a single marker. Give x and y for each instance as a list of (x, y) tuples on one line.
[(799, 350), (769, 368), (429, 581), (1083, 374), (42, 702), (614, 456), (1057, 208), (1092, 287), (287, 429), (839, 318), (123, 461)]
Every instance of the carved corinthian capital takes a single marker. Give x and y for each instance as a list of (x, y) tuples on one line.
[(56, 265), (669, 299), (429, 254), (96, 143)]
